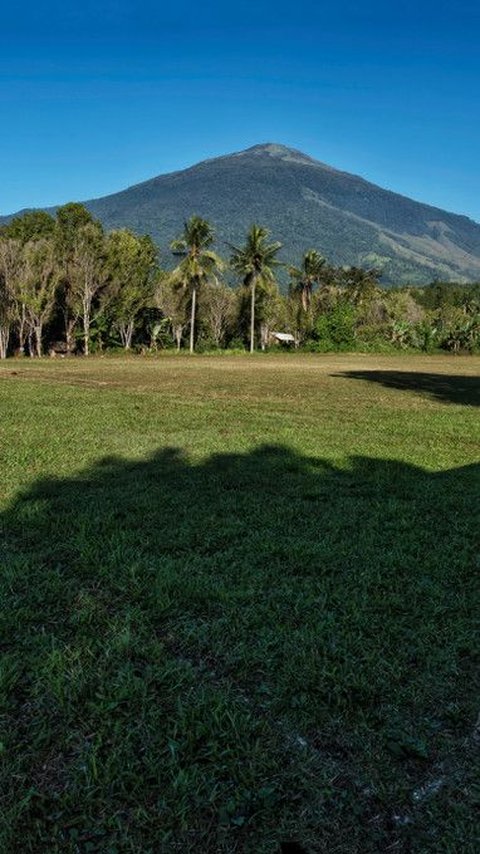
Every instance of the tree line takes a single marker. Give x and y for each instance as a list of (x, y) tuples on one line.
[(68, 286)]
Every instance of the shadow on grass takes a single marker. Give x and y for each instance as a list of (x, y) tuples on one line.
[(260, 650), (450, 389)]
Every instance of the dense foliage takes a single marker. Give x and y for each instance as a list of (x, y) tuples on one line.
[(68, 286)]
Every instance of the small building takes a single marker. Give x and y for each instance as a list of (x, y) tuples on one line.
[(285, 338)]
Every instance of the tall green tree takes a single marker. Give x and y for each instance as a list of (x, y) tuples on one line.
[(88, 276), (11, 260), (27, 229), (310, 273), (255, 262), (199, 264), (170, 300), (38, 285), (32, 225), (69, 220), (131, 266), (217, 311), (361, 285)]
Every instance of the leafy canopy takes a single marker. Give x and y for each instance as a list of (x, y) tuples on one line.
[(257, 258), (199, 262)]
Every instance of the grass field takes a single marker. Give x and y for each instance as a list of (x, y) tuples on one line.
[(240, 605)]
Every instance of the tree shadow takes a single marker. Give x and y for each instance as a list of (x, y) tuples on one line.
[(447, 388), (227, 655)]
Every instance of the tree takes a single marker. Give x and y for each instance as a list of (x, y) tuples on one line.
[(26, 229), (457, 329), (170, 299), (130, 262), (88, 275), (311, 272), (38, 286), (335, 330), (218, 311), (10, 269), (32, 225), (199, 263), (255, 262), (268, 310), (361, 285), (70, 218)]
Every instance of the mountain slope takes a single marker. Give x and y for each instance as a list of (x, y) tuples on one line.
[(305, 204)]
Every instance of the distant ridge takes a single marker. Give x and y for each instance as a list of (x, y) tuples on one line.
[(305, 203)]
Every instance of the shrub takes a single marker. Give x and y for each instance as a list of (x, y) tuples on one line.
[(335, 330)]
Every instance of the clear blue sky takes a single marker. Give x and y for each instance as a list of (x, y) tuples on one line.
[(96, 96)]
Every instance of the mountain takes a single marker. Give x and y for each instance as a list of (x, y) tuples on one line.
[(306, 204)]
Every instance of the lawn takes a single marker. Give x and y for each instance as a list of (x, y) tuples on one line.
[(240, 605)]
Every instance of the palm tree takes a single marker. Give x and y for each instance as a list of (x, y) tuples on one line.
[(309, 274), (255, 262), (199, 262), (361, 285)]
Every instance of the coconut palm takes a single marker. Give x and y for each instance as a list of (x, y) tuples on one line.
[(255, 262), (311, 272), (199, 262), (361, 285)]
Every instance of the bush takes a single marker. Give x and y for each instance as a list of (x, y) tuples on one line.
[(335, 330)]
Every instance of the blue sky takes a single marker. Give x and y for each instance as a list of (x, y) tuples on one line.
[(96, 96)]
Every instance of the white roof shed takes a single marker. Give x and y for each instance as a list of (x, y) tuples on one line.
[(287, 337)]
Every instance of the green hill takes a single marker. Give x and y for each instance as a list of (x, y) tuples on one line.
[(306, 204)]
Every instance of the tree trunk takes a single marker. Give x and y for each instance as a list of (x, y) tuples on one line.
[(252, 317), (69, 327), (86, 335), (38, 339), (305, 298), (22, 335), (192, 319), (4, 337), (264, 333), (126, 334), (87, 313), (177, 331)]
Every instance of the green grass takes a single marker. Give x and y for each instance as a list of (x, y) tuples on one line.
[(240, 605)]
